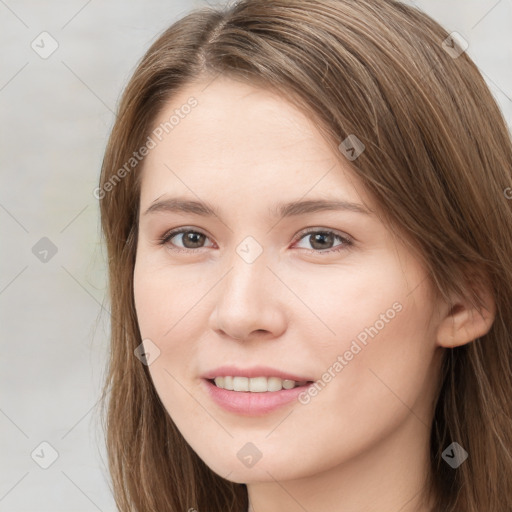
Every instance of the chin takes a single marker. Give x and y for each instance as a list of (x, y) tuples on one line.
[(261, 471)]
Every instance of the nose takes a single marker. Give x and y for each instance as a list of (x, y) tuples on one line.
[(250, 301)]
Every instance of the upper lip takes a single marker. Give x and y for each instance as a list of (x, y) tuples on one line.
[(253, 371)]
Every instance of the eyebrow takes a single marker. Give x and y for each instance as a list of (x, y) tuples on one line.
[(279, 210)]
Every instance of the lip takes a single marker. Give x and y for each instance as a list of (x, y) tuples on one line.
[(254, 371), (251, 404)]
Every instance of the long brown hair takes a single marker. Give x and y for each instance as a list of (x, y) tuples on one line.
[(437, 161)]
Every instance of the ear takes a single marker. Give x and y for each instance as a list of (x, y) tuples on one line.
[(464, 322)]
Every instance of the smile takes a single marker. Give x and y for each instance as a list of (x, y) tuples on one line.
[(254, 403), (255, 384)]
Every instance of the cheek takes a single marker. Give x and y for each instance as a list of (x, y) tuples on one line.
[(151, 302), (380, 355), (358, 303), (164, 308), (163, 298), (381, 368), (169, 313)]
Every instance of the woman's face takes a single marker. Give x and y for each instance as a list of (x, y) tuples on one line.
[(249, 287)]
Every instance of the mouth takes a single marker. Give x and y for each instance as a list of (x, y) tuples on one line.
[(253, 396), (256, 384)]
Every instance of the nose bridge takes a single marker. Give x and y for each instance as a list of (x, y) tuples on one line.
[(248, 271), (245, 300)]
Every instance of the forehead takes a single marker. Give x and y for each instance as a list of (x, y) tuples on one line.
[(244, 140)]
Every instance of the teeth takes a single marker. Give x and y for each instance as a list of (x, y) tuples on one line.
[(255, 384), (240, 384), (228, 382)]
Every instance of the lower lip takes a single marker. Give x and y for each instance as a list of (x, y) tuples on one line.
[(252, 403)]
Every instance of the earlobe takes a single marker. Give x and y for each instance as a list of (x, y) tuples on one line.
[(463, 322)]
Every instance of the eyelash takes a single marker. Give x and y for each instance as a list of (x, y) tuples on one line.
[(347, 241)]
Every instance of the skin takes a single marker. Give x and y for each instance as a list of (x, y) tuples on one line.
[(361, 444)]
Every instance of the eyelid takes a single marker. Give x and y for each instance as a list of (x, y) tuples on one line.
[(314, 229)]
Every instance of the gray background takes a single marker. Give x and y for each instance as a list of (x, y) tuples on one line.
[(56, 115)]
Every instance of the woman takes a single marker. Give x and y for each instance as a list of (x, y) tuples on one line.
[(309, 234)]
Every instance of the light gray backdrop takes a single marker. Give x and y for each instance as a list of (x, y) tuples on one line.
[(63, 68)]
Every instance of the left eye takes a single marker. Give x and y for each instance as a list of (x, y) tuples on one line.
[(318, 239)]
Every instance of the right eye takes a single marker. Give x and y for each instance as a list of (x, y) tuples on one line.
[(190, 237)]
